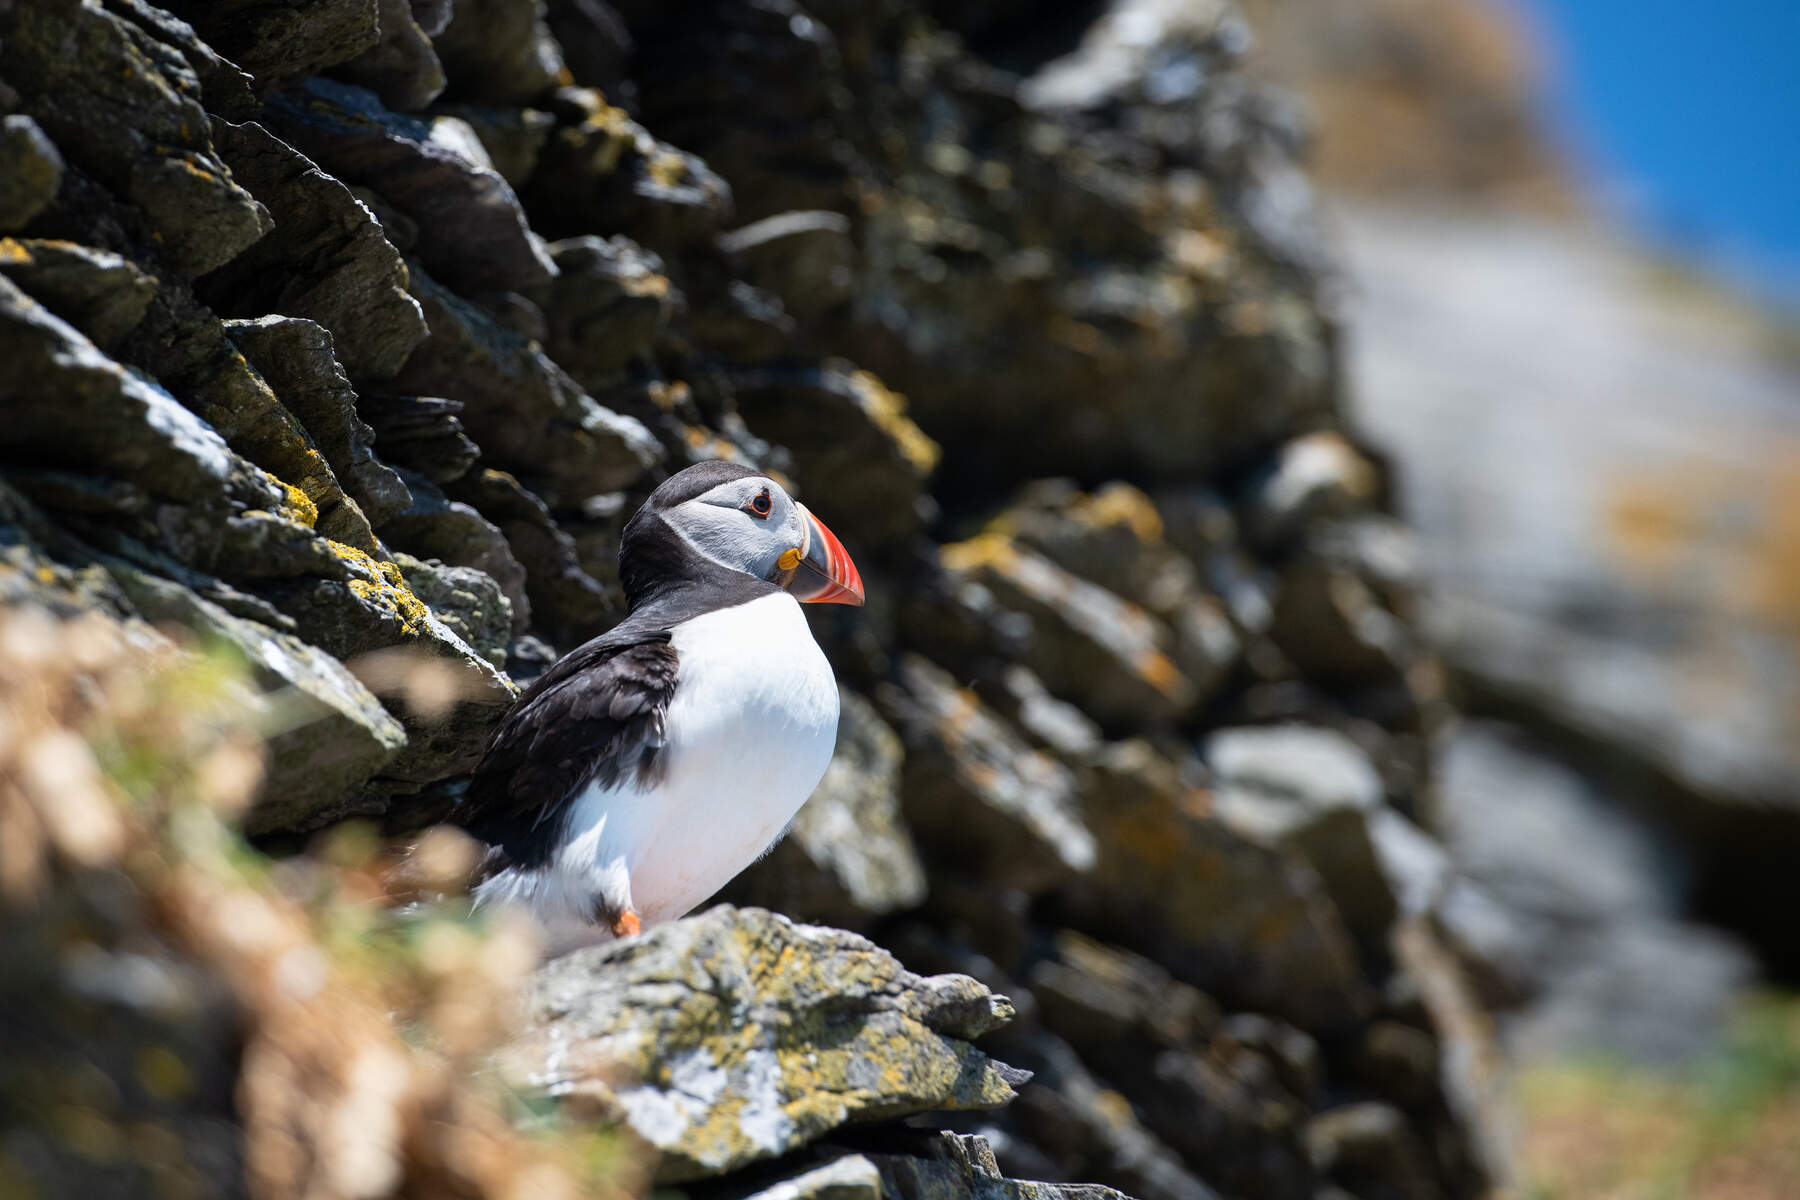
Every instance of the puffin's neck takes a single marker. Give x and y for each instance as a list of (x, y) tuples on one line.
[(667, 581)]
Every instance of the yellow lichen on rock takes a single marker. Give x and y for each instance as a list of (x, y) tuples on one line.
[(1119, 504), (994, 550), (296, 504), (738, 1036), (887, 409)]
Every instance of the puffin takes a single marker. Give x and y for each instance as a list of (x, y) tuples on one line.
[(647, 767)]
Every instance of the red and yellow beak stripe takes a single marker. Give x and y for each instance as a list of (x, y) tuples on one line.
[(823, 572)]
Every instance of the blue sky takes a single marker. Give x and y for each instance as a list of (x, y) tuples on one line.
[(1688, 111)]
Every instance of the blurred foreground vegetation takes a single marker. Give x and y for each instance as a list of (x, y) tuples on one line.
[(181, 1016), (1725, 1128)]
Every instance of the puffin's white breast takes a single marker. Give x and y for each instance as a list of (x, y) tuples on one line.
[(750, 731)]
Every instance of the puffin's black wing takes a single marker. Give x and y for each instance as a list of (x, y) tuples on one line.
[(595, 715)]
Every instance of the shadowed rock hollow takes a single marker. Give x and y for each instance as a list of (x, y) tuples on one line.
[(347, 335)]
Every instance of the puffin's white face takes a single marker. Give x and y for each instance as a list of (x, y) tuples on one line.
[(752, 525)]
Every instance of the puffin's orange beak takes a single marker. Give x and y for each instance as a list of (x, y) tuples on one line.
[(824, 573)]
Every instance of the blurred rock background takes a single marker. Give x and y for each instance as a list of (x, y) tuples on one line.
[(341, 337), (1592, 429)]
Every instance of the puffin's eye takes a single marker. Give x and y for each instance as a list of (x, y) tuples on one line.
[(762, 505)]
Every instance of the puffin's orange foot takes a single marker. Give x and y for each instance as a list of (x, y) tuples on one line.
[(626, 924)]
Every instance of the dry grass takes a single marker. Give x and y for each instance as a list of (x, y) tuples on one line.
[(276, 1022), (1724, 1129)]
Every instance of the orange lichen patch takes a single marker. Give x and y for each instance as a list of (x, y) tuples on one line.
[(1078, 336), (1249, 318), (11, 251), (667, 168), (1276, 925), (1654, 520), (709, 445), (1737, 528), (669, 396), (1120, 504), (187, 164), (1196, 802), (981, 776), (317, 479), (1162, 674), (646, 283), (605, 136), (994, 550), (1151, 836), (1201, 254), (1772, 585), (887, 409)]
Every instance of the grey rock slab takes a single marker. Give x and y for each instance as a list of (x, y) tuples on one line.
[(468, 601), (327, 258), (808, 258), (145, 136), (374, 622), (1055, 724), (30, 171), (851, 1177), (962, 1167), (1474, 1077), (737, 1036), (512, 138), (1249, 921), (976, 792), (296, 357), (1075, 1118), (105, 418), (857, 453), (278, 41), (1089, 645), (601, 170), (402, 68), (524, 410), (102, 294), (1606, 517), (1545, 838), (471, 229), (437, 527), (499, 51), (1315, 767), (1227, 1093), (567, 604), (225, 89), (1316, 792), (1314, 476), (1649, 989), (607, 307), (330, 734), (1369, 1144)]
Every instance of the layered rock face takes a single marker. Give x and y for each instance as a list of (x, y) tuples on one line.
[(347, 334)]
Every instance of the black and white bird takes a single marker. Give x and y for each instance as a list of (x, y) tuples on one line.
[(646, 768)]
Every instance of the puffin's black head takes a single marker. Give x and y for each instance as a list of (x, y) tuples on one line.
[(717, 516)]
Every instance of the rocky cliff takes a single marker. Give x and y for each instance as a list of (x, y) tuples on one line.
[(340, 337)]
